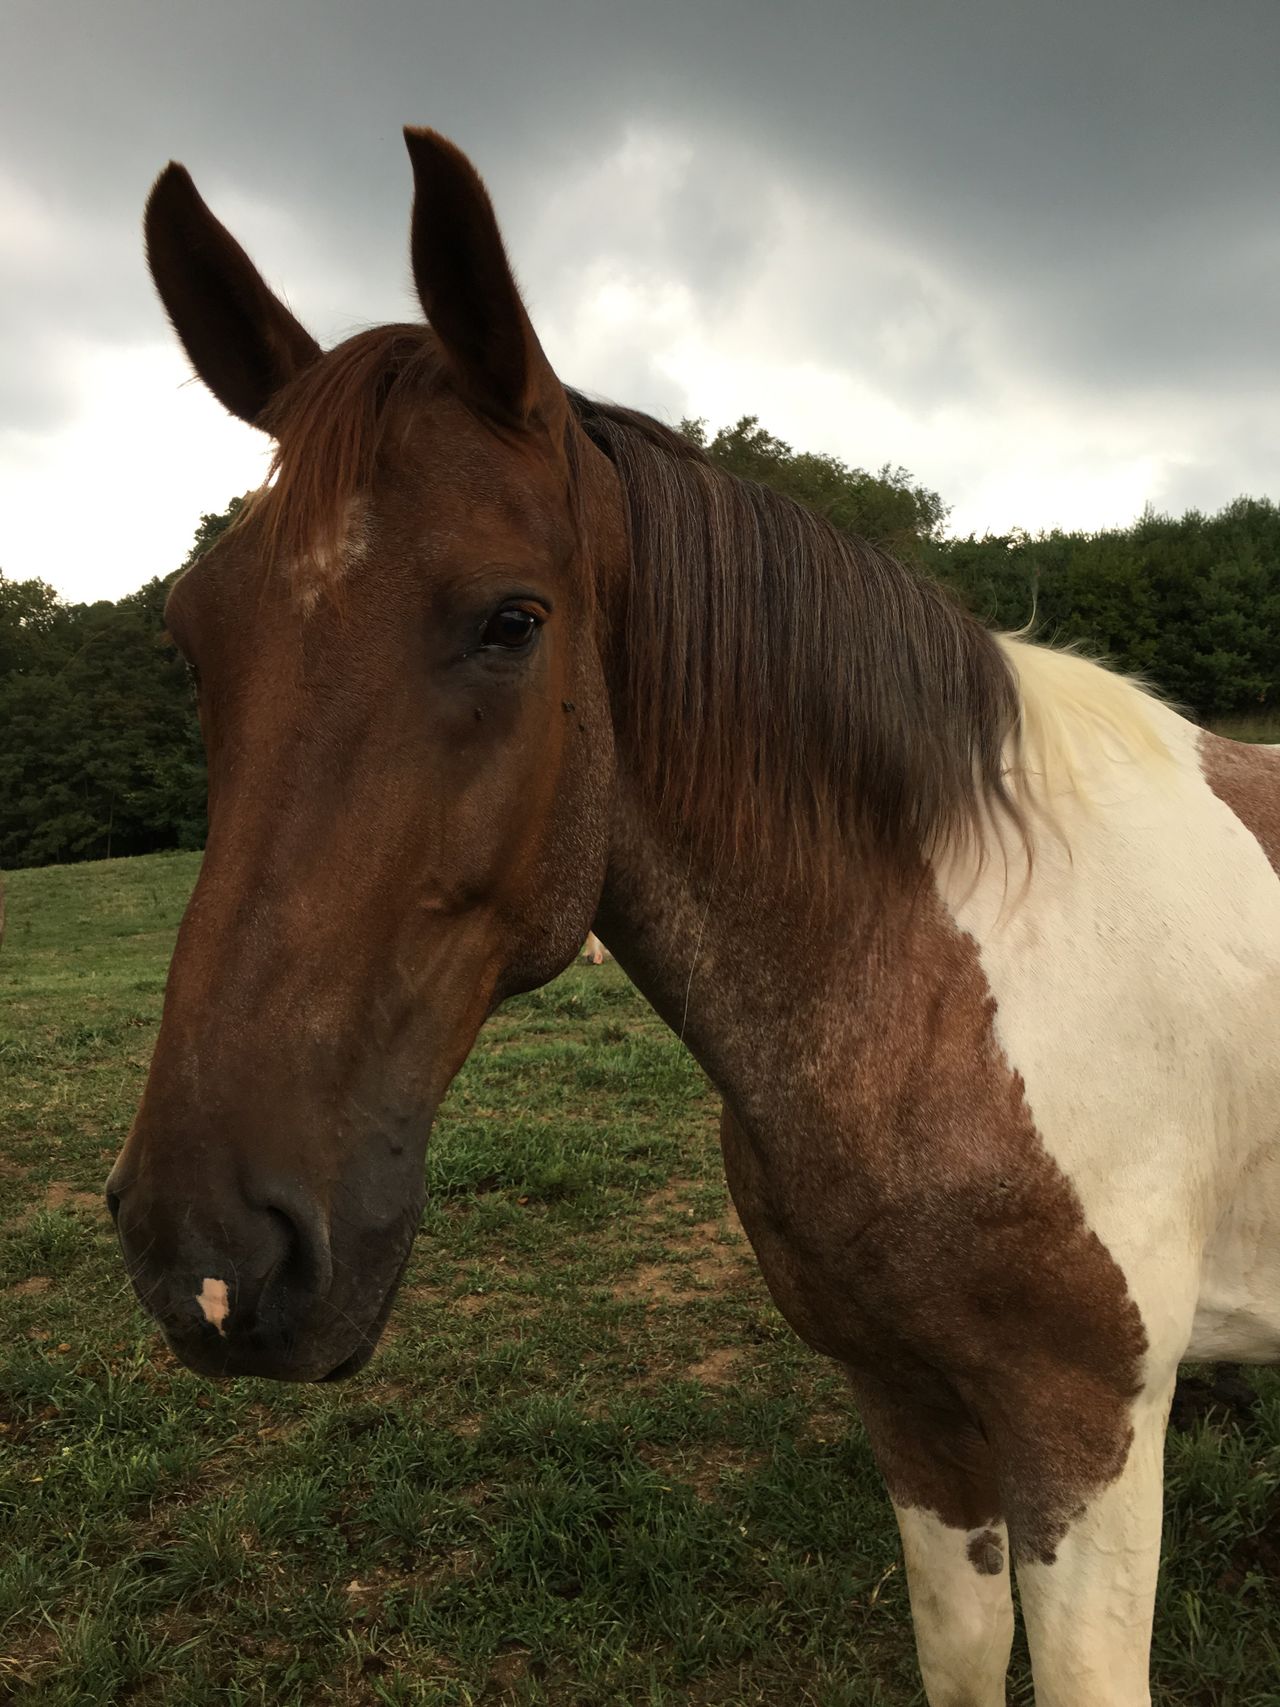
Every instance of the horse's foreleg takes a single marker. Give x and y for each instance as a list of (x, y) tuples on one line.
[(961, 1608), (1088, 1612), (957, 1570)]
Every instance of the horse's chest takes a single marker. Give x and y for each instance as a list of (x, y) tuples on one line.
[(918, 1221), (882, 1153)]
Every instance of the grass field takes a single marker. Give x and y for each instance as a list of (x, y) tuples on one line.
[(589, 1465), (1265, 727)]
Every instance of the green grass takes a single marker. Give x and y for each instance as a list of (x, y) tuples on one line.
[(1264, 727), (589, 1465)]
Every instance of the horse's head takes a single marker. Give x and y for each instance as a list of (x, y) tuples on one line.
[(410, 766)]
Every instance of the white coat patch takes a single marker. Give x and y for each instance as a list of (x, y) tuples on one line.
[(212, 1299)]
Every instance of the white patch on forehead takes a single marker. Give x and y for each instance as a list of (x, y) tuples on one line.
[(329, 560), (212, 1299)]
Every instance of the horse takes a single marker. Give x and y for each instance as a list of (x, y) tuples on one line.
[(487, 662), (593, 950)]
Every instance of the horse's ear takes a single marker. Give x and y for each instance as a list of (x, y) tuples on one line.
[(467, 288), (242, 340)]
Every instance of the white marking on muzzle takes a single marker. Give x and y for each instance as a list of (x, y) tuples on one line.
[(212, 1299)]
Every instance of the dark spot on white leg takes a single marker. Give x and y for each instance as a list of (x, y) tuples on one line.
[(986, 1555)]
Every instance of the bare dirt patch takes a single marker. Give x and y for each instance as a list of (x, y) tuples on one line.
[(705, 1253), (60, 1195), (435, 1299), (708, 1254), (722, 1251), (717, 1368), (508, 1670), (670, 1196), (702, 1469), (658, 1281)]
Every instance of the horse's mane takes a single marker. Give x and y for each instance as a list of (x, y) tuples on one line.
[(781, 688), (789, 688)]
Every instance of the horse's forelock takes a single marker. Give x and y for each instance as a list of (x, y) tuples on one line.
[(329, 425)]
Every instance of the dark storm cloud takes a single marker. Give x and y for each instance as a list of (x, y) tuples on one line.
[(1096, 181), (1065, 147)]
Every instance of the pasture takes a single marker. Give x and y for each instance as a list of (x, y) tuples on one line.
[(589, 1464)]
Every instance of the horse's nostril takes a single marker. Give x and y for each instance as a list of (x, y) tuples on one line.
[(307, 1264), (113, 1204), (285, 1233)]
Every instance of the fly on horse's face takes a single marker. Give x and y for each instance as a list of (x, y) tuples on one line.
[(410, 757)]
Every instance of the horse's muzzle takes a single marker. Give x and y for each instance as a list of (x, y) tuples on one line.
[(246, 1285)]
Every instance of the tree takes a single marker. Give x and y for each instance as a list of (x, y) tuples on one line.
[(209, 532), (33, 625), (885, 508), (100, 750), (1192, 603)]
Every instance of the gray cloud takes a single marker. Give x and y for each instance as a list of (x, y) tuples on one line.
[(945, 201)]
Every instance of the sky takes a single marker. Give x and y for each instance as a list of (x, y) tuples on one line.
[(1029, 251)]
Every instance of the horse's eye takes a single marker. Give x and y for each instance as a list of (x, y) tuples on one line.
[(511, 628)]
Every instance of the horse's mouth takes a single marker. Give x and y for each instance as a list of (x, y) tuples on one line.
[(350, 1365), (221, 1360), (219, 1355)]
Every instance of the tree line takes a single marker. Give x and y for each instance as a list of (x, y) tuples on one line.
[(100, 751)]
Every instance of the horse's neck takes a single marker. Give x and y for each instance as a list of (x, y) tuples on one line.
[(675, 935), (761, 988)]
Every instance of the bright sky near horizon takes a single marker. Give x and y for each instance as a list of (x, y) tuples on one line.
[(1028, 251)]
